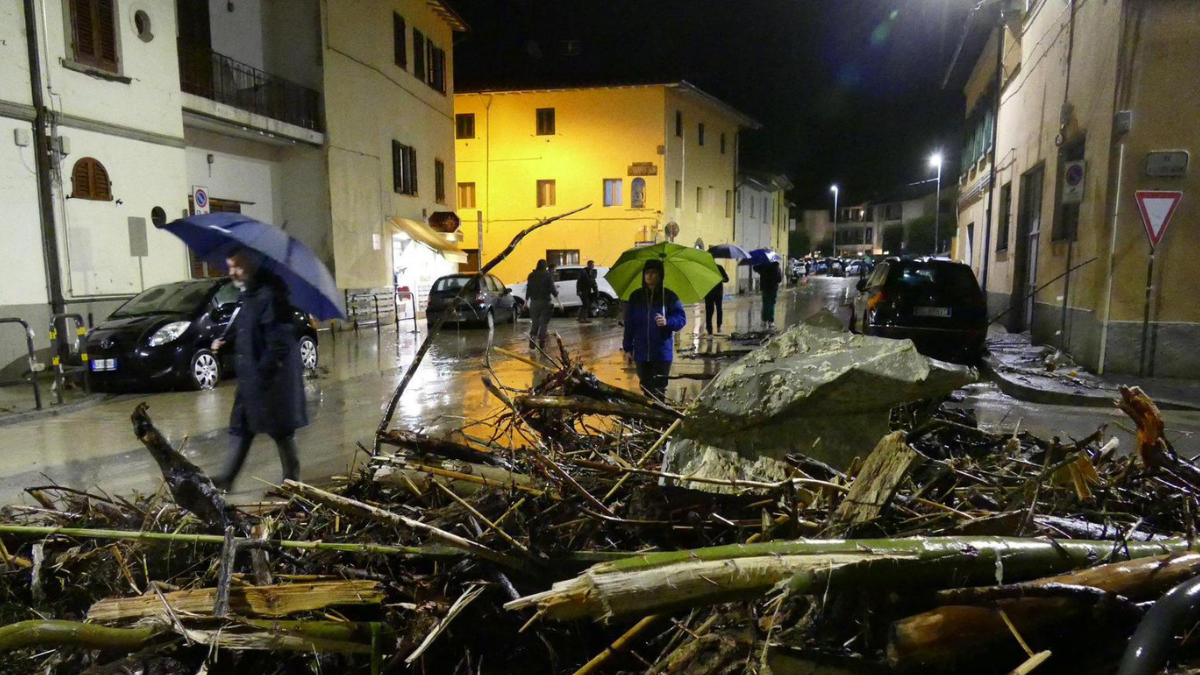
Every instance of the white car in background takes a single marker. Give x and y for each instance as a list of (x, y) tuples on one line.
[(564, 280)]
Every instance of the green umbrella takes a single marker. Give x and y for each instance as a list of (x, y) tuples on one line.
[(691, 273)]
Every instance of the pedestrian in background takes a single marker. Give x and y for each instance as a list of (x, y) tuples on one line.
[(270, 375), (652, 317), (540, 289), (769, 278), (585, 286), (713, 303)]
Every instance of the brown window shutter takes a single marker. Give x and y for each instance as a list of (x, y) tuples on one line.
[(84, 29), (106, 29), (101, 188), (81, 180), (412, 166)]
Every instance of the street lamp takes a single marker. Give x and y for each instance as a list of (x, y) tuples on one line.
[(936, 161), (834, 189)]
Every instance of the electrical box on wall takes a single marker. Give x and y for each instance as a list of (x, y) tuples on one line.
[(22, 137)]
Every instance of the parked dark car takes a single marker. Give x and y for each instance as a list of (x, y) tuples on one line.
[(830, 267), (162, 338), (490, 303), (935, 303)]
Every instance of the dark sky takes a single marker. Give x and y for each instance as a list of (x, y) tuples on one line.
[(848, 91)]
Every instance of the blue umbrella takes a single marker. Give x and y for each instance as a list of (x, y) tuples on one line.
[(730, 251), (213, 236), (760, 256)]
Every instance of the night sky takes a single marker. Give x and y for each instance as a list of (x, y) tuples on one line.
[(848, 91)]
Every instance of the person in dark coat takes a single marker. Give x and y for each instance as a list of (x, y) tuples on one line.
[(270, 375), (713, 302), (539, 287), (769, 278), (652, 317), (586, 287)]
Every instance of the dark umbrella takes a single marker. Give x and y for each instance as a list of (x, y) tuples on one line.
[(214, 236), (729, 251), (760, 256)]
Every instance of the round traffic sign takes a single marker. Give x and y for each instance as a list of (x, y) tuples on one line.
[(201, 198)]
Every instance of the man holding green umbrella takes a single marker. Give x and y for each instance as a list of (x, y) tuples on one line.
[(656, 281)]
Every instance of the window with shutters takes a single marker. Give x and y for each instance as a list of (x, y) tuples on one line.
[(439, 181), (94, 33), (89, 180), (612, 191), (404, 169), (464, 125), (699, 199), (435, 65), (399, 40), (545, 121), (419, 55), (700, 133), (466, 195), (545, 193), (722, 144)]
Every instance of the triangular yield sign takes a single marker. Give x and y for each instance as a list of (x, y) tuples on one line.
[(1157, 207)]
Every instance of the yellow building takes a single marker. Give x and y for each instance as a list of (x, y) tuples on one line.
[(1102, 92), (643, 157)]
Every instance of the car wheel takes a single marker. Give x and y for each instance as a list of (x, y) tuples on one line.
[(204, 370), (308, 353), (601, 306)]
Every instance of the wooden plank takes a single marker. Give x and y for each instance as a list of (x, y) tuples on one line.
[(278, 600), (876, 484)]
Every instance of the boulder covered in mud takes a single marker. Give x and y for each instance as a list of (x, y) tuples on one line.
[(813, 391)]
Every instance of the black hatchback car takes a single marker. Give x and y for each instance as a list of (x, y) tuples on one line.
[(935, 303), (162, 338)]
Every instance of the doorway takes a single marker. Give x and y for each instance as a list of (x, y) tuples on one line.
[(1029, 226)]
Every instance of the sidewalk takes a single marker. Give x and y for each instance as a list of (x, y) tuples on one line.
[(17, 402), (1023, 370)]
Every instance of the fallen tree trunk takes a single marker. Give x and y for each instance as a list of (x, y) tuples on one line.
[(945, 634), (657, 582), (50, 633), (277, 600), (591, 406), (421, 444)]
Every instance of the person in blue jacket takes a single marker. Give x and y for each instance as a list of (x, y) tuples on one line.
[(652, 317)]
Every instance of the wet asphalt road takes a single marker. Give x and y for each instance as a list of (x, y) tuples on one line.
[(94, 448)]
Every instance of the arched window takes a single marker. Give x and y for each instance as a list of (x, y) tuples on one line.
[(639, 193), (89, 180)]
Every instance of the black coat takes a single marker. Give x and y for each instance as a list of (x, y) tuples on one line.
[(270, 375)]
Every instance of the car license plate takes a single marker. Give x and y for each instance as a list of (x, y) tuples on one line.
[(932, 311), (104, 364)]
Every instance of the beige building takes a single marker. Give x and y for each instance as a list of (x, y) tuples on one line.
[(647, 159), (1096, 103)]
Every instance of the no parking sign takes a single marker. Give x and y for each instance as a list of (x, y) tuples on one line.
[(200, 200)]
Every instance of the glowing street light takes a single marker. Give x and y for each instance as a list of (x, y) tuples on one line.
[(834, 189), (936, 161)]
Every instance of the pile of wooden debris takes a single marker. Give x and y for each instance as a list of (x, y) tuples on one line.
[(546, 539)]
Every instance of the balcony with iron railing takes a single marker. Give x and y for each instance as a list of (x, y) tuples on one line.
[(218, 78)]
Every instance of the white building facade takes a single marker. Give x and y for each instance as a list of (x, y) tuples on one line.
[(330, 120)]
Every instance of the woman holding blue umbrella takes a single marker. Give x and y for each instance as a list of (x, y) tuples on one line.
[(270, 375)]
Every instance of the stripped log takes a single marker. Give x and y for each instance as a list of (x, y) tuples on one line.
[(277, 600), (944, 634), (590, 406), (656, 582)]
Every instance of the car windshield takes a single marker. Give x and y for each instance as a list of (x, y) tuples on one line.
[(179, 298), (446, 284)]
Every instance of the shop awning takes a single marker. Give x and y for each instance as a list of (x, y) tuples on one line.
[(428, 236)]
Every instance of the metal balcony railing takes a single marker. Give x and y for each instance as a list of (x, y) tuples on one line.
[(217, 77)]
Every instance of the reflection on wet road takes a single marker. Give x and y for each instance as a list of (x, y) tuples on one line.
[(95, 447)]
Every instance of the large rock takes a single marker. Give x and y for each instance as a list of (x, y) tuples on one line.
[(808, 390)]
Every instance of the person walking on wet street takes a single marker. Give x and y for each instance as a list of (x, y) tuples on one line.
[(713, 303), (270, 375), (769, 278), (540, 289), (585, 286), (652, 317)]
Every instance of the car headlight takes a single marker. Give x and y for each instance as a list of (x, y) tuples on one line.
[(169, 332)]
